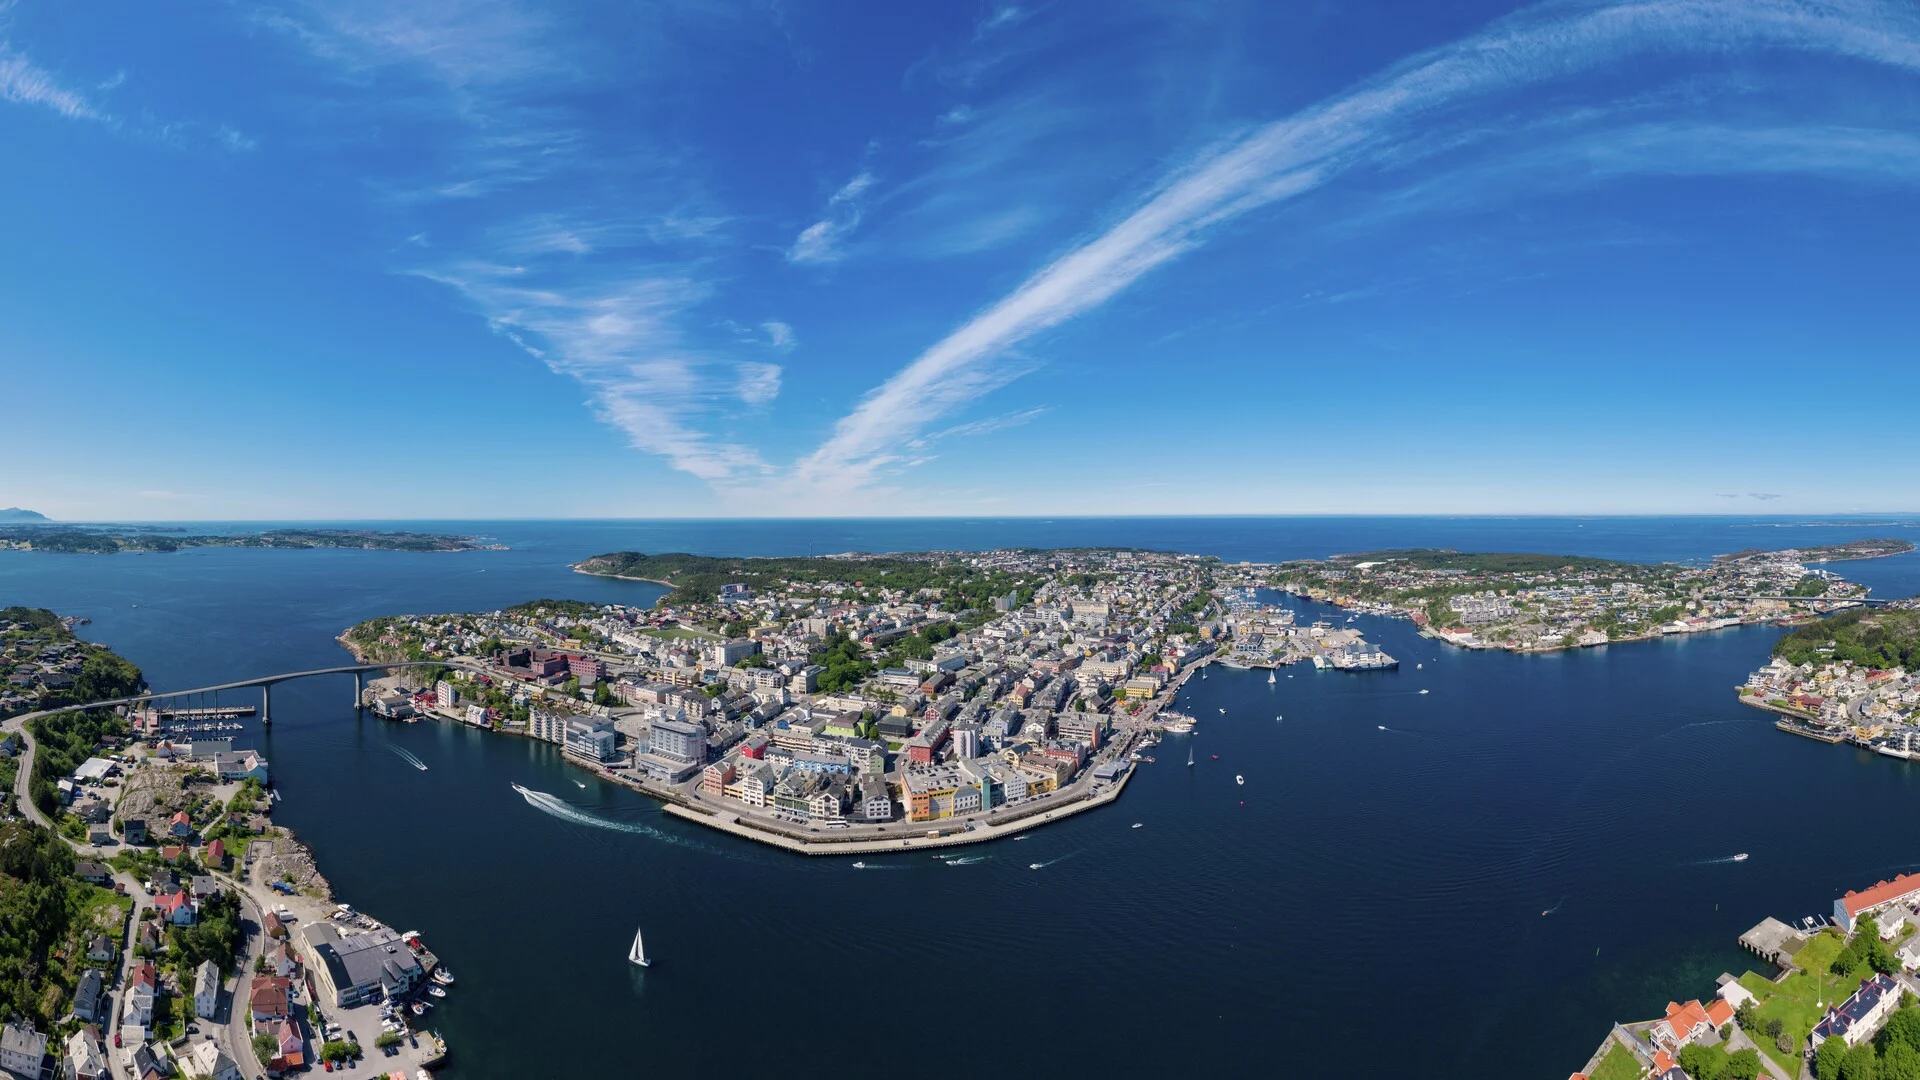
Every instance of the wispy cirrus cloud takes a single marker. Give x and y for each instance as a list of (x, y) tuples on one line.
[(822, 241), (24, 82), (1354, 131)]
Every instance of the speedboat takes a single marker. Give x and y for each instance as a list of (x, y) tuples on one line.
[(1238, 779), (1138, 824), (1423, 691), (1742, 857), (1033, 866), (859, 866), (1223, 712)]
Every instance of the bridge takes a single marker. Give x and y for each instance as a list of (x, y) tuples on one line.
[(20, 725), (1868, 601)]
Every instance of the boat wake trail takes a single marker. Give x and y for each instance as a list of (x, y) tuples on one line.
[(408, 756), (966, 860), (1557, 905), (1050, 862), (566, 811), (1722, 861)]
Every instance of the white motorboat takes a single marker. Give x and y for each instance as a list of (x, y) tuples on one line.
[(859, 866), (1742, 857), (1138, 824), (638, 953), (1238, 779), (437, 991), (1423, 691)]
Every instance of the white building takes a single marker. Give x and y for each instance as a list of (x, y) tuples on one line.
[(206, 990), (445, 695), (21, 1049), (547, 726)]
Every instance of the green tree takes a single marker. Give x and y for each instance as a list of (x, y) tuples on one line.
[(1827, 1059), (1903, 1027), (1859, 1063), (1899, 1061), (603, 693), (1743, 1064), (1703, 1062), (265, 1048)]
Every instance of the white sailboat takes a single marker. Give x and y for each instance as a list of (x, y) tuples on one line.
[(638, 954), (1270, 679)]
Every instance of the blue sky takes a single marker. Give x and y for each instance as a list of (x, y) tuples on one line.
[(464, 259)]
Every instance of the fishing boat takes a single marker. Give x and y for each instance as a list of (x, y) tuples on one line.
[(1238, 779), (638, 954), (1742, 857)]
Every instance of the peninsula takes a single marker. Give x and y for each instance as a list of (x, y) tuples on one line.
[(110, 540), (1535, 603)]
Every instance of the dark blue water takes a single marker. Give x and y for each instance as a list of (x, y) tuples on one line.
[(1251, 927)]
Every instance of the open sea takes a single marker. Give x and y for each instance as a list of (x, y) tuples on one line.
[(1476, 881)]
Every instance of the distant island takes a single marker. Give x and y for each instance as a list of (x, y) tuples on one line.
[(1525, 602), (81, 541), (15, 513), (698, 579)]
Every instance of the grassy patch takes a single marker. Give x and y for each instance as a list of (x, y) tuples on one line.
[(1799, 1000), (675, 633), (1617, 1064)]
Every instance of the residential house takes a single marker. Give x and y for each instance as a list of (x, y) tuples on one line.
[(143, 986), (134, 830), (180, 826), (86, 1057), (284, 963), (175, 907), (216, 854), (93, 873), (90, 1001), (22, 1049), (270, 1001), (209, 1060), (206, 990), (102, 949), (290, 1049), (273, 926), (148, 1063)]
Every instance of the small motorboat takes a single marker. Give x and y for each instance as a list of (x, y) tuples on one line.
[(1423, 691), (1238, 779), (1742, 857), (1138, 824), (1223, 712), (418, 1008), (437, 991), (443, 977), (1216, 757), (859, 866), (1382, 727), (1417, 667), (1033, 866)]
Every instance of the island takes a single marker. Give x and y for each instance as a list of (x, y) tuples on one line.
[(15, 513), (1534, 603), (108, 541), (841, 704)]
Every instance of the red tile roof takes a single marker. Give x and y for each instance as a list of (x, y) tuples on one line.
[(1719, 1013), (1882, 893)]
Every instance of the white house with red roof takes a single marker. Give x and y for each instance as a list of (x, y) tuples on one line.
[(1906, 887)]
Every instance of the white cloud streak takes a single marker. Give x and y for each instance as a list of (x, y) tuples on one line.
[(23, 82), (1284, 159), (821, 241)]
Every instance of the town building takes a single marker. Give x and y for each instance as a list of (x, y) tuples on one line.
[(592, 738), (349, 969)]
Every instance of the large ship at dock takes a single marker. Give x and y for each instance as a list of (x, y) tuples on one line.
[(1176, 723)]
